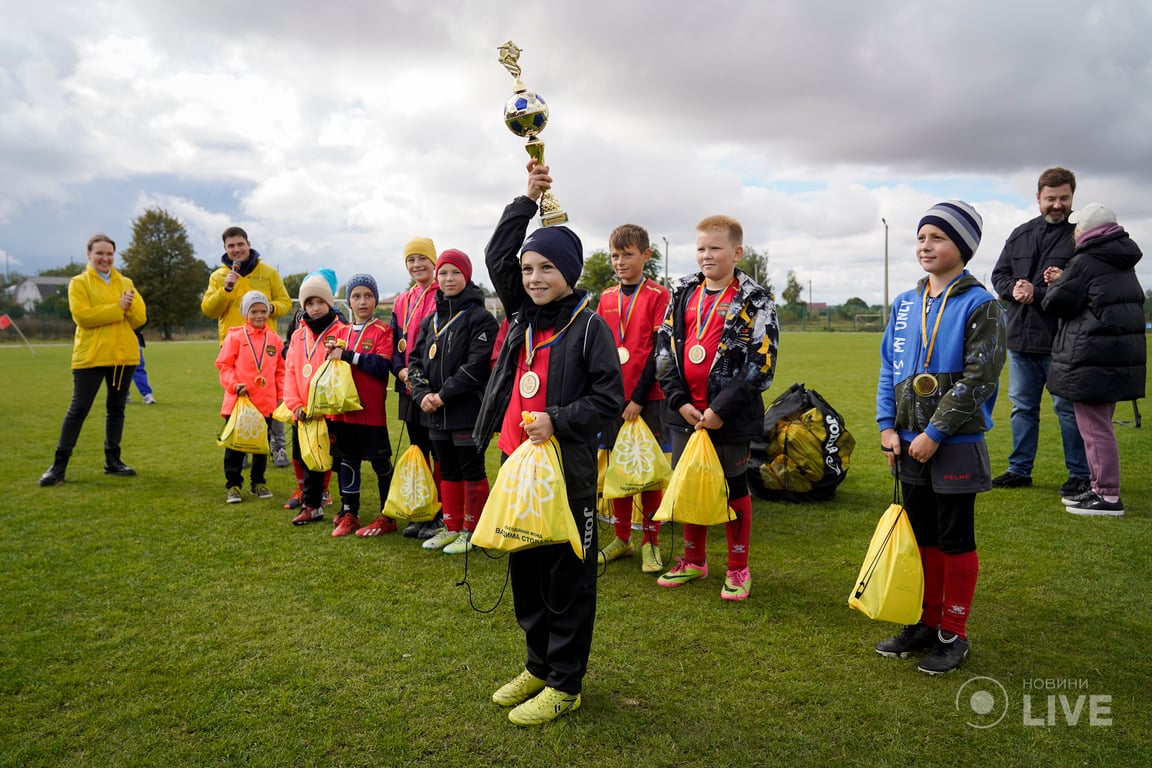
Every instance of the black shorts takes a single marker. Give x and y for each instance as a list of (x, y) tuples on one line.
[(955, 468), (359, 442)]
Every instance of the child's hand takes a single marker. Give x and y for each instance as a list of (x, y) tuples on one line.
[(431, 403), (241, 389), (334, 352), (300, 414), (538, 180), (539, 428), (632, 410), (890, 445), (923, 448), (689, 413), (1051, 274), (709, 420)]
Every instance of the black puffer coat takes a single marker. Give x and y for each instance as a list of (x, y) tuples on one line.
[(1099, 354)]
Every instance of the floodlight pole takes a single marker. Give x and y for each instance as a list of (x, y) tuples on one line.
[(885, 223)]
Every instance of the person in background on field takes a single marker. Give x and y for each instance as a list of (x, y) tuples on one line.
[(940, 363), (107, 310), (715, 355), (250, 364), (241, 271), (569, 381), (634, 310), (408, 312), (358, 436), (1100, 354), (1018, 277), (447, 372), (306, 354), (140, 377)]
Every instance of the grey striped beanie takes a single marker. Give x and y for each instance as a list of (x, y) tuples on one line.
[(959, 221)]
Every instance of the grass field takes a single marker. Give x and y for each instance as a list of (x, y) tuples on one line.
[(146, 623)]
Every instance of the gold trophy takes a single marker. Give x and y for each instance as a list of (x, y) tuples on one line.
[(526, 114)]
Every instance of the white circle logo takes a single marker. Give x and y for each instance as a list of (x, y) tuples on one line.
[(981, 697)]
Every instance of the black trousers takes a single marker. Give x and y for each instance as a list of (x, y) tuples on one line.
[(234, 464), (554, 596), (85, 385)]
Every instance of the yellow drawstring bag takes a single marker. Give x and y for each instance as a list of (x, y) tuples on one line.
[(890, 586), (315, 449), (528, 506), (245, 431), (282, 413), (332, 390), (636, 463), (412, 494), (697, 491)]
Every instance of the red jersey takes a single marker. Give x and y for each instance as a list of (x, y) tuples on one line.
[(511, 434), (634, 321), (703, 324), (371, 341), (408, 312)]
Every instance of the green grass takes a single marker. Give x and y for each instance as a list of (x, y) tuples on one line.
[(146, 623)]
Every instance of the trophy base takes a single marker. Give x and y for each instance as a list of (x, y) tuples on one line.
[(550, 211), (551, 219)]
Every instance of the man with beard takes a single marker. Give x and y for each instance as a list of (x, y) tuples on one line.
[(1045, 241)]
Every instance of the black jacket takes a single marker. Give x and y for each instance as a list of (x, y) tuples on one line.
[(1029, 250), (585, 387), (462, 365), (1100, 353)]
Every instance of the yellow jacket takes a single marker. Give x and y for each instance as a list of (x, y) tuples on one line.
[(224, 306), (105, 333)]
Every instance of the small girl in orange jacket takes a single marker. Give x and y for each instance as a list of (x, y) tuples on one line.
[(250, 364)]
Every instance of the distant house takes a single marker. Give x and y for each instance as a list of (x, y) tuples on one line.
[(35, 289)]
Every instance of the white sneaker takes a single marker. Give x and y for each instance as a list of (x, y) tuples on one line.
[(441, 539), (148, 399)]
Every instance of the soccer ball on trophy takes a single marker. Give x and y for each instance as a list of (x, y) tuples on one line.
[(525, 114)]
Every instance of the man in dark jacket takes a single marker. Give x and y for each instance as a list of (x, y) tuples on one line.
[(1045, 241)]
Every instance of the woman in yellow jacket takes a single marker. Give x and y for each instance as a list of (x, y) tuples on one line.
[(106, 310)]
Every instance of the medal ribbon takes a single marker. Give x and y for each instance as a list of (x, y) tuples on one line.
[(410, 310), (530, 348), (259, 361), (925, 343), (360, 335), (437, 330), (308, 352), (624, 316), (701, 328)]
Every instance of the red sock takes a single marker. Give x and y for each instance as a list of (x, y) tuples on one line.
[(739, 532), (622, 518), (298, 468), (933, 561), (452, 501), (696, 543), (475, 497), (650, 502), (960, 573)]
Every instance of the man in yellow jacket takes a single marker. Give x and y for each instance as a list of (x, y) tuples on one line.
[(241, 271), (106, 310)]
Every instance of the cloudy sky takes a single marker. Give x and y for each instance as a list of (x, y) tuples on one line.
[(336, 131)]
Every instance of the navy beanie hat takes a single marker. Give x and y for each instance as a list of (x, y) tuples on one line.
[(959, 221), (367, 281), (560, 246)]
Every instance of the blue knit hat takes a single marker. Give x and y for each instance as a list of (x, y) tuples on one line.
[(319, 284), (560, 246), (960, 222), (367, 281)]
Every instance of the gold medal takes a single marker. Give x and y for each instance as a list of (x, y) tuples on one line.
[(432, 352), (623, 354), (307, 370), (261, 381), (529, 384), (696, 354), (401, 345), (925, 384)]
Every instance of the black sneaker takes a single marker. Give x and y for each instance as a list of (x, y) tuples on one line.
[(412, 530), (1074, 486), (912, 639), (1079, 497), (432, 527), (949, 652), (1094, 505), (1011, 480)]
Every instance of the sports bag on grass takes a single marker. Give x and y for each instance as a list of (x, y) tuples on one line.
[(245, 431), (890, 586), (412, 493), (315, 450), (636, 463), (528, 506), (804, 451), (697, 491), (332, 390)]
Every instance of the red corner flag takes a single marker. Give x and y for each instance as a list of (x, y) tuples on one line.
[(5, 322)]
